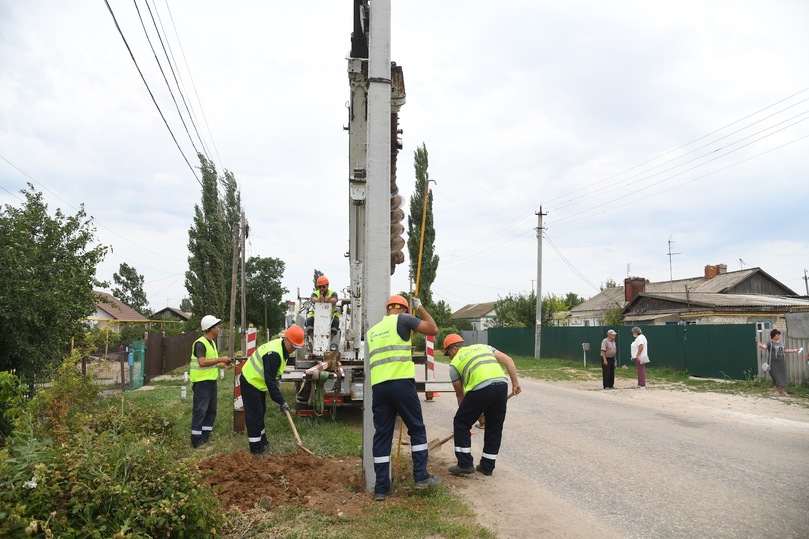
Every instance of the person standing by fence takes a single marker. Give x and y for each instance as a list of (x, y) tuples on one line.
[(204, 374), (777, 361), (608, 354), (640, 354)]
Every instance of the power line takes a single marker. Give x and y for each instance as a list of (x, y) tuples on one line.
[(169, 59), (160, 67), (194, 87), (568, 263), (131, 55)]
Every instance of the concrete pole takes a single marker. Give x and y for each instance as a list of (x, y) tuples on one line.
[(376, 270), (538, 333)]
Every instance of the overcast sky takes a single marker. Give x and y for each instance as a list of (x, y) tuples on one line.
[(632, 124)]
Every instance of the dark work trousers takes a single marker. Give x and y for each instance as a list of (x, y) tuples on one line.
[(391, 398), (491, 402), (204, 412), (608, 372), (255, 406)]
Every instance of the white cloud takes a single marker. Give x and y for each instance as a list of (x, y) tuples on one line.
[(520, 104)]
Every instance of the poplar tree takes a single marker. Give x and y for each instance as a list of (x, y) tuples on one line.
[(429, 260), (209, 242)]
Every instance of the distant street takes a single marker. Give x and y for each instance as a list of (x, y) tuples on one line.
[(646, 463)]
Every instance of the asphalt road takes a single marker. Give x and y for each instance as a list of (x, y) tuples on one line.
[(653, 463)]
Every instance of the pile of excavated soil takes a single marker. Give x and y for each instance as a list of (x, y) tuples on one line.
[(244, 480)]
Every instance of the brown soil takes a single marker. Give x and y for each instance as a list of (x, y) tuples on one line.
[(244, 480)]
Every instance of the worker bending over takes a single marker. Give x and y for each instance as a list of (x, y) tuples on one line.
[(481, 388), (393, 385), (260, 375)]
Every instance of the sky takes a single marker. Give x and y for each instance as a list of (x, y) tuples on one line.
[(656, 137)]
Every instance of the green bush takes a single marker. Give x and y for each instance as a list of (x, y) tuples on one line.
[(77, 468), (11, 403), (103, 485)]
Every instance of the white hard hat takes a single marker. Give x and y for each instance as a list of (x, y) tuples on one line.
[(208, 322), (765, 367)]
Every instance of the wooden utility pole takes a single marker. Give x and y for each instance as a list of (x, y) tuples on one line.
[(233, 276)]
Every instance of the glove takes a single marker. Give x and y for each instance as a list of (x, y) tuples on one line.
[(416, 304), (284, 408)]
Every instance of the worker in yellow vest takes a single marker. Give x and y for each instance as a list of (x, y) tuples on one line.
[(323, 294), (260, 376), (205, 361), (481, 387), (393, 387)]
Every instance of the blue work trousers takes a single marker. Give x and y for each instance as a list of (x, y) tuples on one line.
[(255, 406), (203, 414), (392, 398), (491, 402)]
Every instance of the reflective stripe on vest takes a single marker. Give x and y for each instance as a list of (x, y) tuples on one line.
[(199, 373), (390, 357), (476, 364), (253, 370), (335, 310)]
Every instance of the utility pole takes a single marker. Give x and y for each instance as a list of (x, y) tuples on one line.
[(377, 267), (245, 228), (538, 331), (233, 281)]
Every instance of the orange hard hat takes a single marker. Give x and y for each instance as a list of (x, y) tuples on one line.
[(398, 300), (295, 336), (449, 340), (322, 280)]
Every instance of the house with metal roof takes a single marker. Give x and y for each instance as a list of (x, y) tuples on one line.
[(110, 312), (717, 297), (480, 315)]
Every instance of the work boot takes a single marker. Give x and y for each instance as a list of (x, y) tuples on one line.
[(481, 470), (381, 496), (430, 481), (459, 470)]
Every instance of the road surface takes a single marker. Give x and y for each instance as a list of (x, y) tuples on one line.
[(578, 461)]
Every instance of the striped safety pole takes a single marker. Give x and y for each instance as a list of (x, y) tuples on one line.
[(429, 343)]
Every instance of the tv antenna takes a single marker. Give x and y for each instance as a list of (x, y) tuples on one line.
[(671, 273)]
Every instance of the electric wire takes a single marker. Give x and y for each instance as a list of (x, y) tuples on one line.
[(172, 62), (568, 263), (162, 72), (131, 55), (194, 86)]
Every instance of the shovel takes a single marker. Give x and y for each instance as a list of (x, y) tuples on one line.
[(298, 438), (435, 444)]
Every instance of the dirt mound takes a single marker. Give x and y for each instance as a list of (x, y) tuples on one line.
[(244, 480)]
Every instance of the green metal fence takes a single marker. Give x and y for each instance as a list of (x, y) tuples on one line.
[(709, 351)]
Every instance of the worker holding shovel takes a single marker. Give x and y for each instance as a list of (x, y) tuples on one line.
[(481, 388), (260, 376)]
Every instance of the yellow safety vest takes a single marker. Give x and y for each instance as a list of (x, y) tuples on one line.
[(198, 373), (476, 364), (253, 370), (335, 311), (391, 357)]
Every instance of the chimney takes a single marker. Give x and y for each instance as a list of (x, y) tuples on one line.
[(633, 286), (713, 271)]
